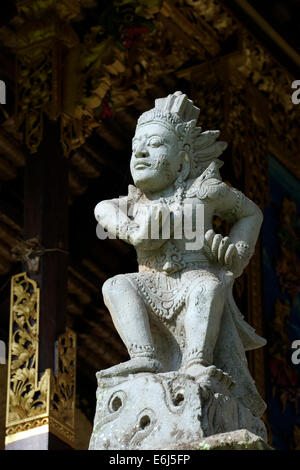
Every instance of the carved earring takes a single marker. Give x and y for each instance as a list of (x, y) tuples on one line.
[(180, 178), (185, 169)]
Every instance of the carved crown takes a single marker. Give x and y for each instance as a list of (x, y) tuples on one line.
[(176, 108), (178, 103)]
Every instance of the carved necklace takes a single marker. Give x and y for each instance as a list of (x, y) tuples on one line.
[(178, 196)]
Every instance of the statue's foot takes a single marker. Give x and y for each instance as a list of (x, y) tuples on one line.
[(210, 374), (133, 366)]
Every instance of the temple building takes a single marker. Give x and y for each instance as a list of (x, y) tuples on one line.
[(75, 75)]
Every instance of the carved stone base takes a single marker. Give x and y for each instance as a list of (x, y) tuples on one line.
[(156, 411), (235, 440)]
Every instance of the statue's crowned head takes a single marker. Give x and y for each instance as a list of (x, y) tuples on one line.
[(168, 146)]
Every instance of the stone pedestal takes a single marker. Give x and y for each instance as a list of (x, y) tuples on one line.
[(160, 411), (235, 440)]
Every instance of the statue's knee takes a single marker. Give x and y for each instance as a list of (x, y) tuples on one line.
[(114, 286), (206, 292), (215, 289)]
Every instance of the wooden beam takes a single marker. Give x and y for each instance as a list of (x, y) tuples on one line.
[(269, 30)]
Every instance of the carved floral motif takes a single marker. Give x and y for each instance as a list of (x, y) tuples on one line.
[(34, 401)]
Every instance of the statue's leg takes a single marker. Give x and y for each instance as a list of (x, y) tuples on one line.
[(205, 304), (130, 317)]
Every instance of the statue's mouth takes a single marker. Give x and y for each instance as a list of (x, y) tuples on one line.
[(142, 165)]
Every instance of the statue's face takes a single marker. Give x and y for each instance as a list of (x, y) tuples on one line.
[(156, 157)]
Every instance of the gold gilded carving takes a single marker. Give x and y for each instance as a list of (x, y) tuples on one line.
[(33, 402), (98, 65), (242, 112), (37, 90), (66, 9), (26, 398), (215, 16), (102, 57), (26, 425), (41, 36), (274, 83), (74, 132), (62, 402), (193, 26)]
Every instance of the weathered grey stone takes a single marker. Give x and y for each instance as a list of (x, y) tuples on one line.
[(177, 314), (234, 440), (152, 411)]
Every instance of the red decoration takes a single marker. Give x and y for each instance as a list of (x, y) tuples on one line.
[(130, 33), (106, 108)]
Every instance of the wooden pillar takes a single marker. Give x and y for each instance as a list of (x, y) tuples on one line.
[(41, 372), (45, 217)]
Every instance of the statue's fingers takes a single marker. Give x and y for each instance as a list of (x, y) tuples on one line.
[(207, 251), (206, 245), (206, 248), (209, 236), (215, 245), (225, 242), (230, 252)]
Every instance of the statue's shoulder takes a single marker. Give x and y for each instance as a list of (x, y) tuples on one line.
[(209, 184)]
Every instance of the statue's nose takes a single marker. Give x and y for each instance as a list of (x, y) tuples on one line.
[(141, 153)]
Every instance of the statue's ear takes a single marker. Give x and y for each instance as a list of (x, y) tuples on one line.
[(185, 168)]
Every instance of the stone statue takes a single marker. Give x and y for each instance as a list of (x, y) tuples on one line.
[(177, 316)]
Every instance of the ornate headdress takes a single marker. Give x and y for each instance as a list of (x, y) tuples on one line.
[(179, 114)]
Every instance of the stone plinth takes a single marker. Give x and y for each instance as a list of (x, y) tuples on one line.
[(159, 411), (235, 440)]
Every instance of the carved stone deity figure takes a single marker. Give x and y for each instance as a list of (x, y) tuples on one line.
[(177, 315)]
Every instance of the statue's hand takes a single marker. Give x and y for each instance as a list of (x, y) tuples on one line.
[(138, 233), (146, 225), (220, 250)]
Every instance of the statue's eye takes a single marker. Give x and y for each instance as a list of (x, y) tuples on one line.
[(155, 142)]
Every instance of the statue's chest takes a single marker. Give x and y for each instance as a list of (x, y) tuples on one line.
[(190, 210)]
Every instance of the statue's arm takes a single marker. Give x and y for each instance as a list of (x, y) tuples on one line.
[(114, 216), (247, 218), (110, 216), (248, 222)]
